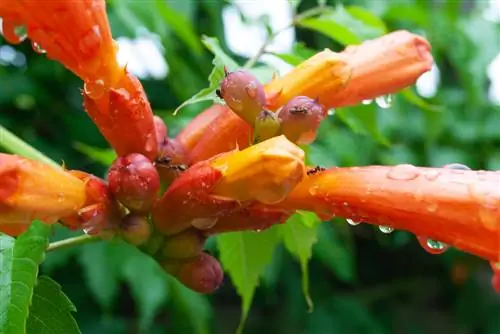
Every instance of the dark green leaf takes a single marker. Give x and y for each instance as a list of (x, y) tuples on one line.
[(299, 240), (19, 261), (50, 312), (245, 256)]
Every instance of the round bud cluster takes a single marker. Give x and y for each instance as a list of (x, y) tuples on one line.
[(134, 182)]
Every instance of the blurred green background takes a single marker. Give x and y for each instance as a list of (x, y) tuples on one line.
[(361, 281)]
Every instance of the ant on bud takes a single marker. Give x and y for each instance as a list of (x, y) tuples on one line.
[(315, 170)]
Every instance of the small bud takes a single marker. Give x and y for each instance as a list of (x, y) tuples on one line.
[(266, 126), (135, 230), (202, 274), (300, 119), (161, 130), (134, 181), (244, 94), (184, 245)]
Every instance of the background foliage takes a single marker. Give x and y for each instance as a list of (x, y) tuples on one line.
[(360, 280)]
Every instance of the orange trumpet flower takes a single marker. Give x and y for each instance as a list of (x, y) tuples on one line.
[(31, 190), (381, 66), (457, 207), (74, 33)]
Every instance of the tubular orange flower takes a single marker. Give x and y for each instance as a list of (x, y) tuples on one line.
[(457, 207), (227, 132), (74, 33), (124, 117), (31, 190), (265, 172), (374, 68), (211, 189), (191, 134)]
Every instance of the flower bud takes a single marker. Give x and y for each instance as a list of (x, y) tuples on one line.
[(266, 126), (134, 181), (202, 274), (300, 119), (135, 230), (244, 94), (187, 244), (161, 130)]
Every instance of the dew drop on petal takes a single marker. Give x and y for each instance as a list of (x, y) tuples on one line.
[(457, 166), (366, 102), (204, 223), (403, 173), (95, 89), (257, 230), (251, 90), (352, 222), (432, 174), (331, 112), (384, 101), (432, 207), (385, 229), (37, 48), (432, 246), (12, 33)]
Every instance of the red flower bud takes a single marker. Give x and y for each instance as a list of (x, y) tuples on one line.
[(187, 244), (135, 230), (244, 94), (161, 130), (134, 181), (300, 119), (202, 274)]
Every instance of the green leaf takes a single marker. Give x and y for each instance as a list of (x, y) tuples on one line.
[(135, 14), (299, 54), (362, 119), (104, 156), (101, 262), (417, 101), (347, 25), (180, 25), (192, 312), (334, 254), (245, 256), (19, 261), (147, 281), (50, 312), (299, 240), (220, 61)]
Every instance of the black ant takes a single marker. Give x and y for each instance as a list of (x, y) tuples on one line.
[(315, 170)]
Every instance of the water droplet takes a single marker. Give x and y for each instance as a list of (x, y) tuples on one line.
[(403, 173), (489, 218), (432, 174), (60, 197), (204, 223), (345, 204), (366, 102), (432, 207), (37, 48), (457, 166), (236, 104), (257, 230), (384, 101), (385, 229), (352, 222), (432, 246), (251, 90), (95, 89), (331, 112), (313, 190)]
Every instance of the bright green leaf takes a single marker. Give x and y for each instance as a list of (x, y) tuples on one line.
[(19, 261), (299, 240), (220, 61), (245, 256), (50, 312), (104, 156), (362, 119)]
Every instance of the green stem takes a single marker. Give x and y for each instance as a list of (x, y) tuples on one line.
[(296, 20), (16, 145), (71, 242)]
